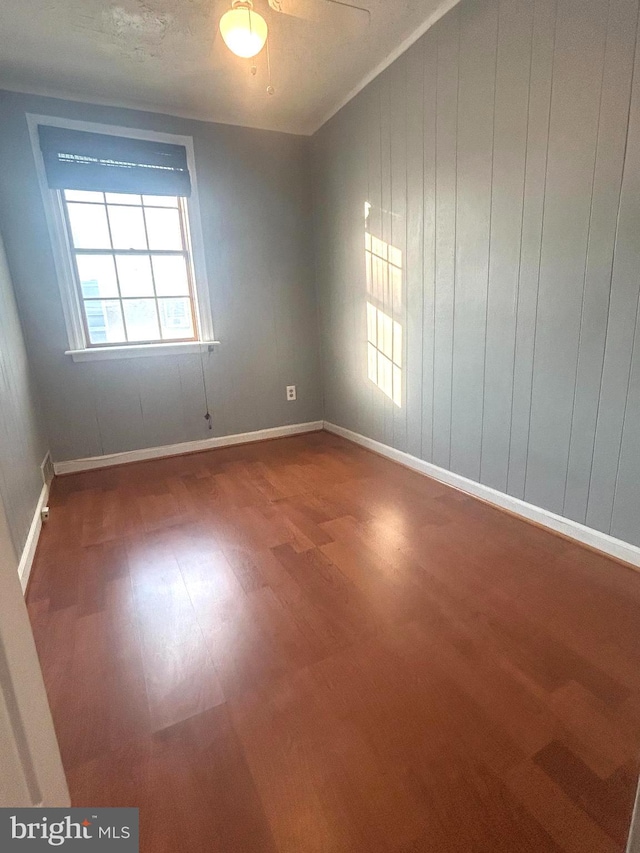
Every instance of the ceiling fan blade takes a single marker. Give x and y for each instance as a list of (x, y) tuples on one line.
[(335, 12)]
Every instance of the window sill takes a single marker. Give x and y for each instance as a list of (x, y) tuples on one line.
[(141, 351)]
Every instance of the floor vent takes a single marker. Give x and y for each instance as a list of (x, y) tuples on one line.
[(47, 470)]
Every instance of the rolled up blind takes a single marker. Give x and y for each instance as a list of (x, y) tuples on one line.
[(76, 160)]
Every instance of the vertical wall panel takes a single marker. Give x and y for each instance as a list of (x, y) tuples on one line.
[(446, 119), (616, 92), (337, 399), (376, 219), (579, 56), (324, 219), (624, 522), (116, 401), (338, 328), (398, 240), (414, 256), (386, 212), (192, 389), (620, 335), (371, 158), (156, 388), (476, 95), (429, 122), (80, 434), (521, 364), (539, 110), (507, 193), (359, 191)]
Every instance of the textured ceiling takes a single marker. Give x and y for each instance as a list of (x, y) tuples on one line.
[(167, 55)]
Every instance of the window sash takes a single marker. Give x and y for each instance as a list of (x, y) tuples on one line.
[(63, 256), (150, 253)]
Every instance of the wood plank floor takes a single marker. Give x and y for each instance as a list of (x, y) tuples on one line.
[(299, 646)]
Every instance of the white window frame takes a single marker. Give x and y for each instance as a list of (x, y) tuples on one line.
[(63, 253)]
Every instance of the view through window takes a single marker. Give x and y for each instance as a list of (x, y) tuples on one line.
[(133, 267)]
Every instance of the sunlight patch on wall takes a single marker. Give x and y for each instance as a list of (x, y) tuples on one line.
[(384, 271), (384, 303), (384, 336)]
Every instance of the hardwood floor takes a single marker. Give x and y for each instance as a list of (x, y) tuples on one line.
[(299, 646)]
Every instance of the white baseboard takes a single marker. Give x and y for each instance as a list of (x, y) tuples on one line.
[(586, 535), (633, 844), (574, 530), (29, 550), (75, 465)]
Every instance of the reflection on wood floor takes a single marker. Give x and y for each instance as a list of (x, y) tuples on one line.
[(300, 646)]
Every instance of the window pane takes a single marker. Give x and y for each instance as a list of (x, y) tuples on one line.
[(127, 228), (163, 227), (176, 319), (170, 273), (142, 320), (122, 198), (134, 274), (89, 226), (83, 195), (160, 200), (104, 321), (97, 275)]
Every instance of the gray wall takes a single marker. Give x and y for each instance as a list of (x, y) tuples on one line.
[(22, 443), (255, 204), (501, 156)]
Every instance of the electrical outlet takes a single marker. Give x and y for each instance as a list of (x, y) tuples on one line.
[(291, 393)]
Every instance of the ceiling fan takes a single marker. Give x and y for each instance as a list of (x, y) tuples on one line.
[(245, 31), (318, 10)]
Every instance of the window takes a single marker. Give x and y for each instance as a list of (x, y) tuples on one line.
[(132, 266), (124, 220)]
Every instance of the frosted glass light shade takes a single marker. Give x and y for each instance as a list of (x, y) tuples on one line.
[(244, 31)]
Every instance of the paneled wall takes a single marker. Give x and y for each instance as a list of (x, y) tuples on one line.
[(22, 443), (255, 204), (499, 161)]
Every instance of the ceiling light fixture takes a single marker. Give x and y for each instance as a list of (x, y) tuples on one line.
[(243, 30)]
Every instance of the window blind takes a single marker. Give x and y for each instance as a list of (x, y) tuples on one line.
[(77, 160)]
